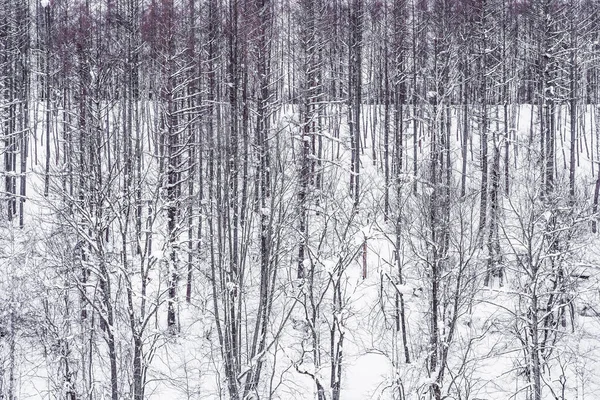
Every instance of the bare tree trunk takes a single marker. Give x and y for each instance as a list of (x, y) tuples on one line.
[(48, 99), (483, 131), (310, 89), (268, 270), (24, 97), (386, 136), (192, 98), (493, 244), (465, 131), (399, 301), (536, 371), (572, 104), (355, 93), (597, 185)]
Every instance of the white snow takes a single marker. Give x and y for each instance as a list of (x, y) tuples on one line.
[(158, 255), (329, 265), (306, 263)]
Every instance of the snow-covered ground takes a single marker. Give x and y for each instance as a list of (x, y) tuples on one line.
[(488, 348)]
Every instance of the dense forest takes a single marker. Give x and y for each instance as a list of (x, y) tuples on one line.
[(299, 199)]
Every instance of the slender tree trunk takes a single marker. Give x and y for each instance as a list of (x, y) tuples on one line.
[(355, 52), (48, 99), (386, 136), (483, 207), (572, 107), (400, 308), (465, 132)]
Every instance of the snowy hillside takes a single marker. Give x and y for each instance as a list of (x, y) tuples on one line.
[(299, 199)]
